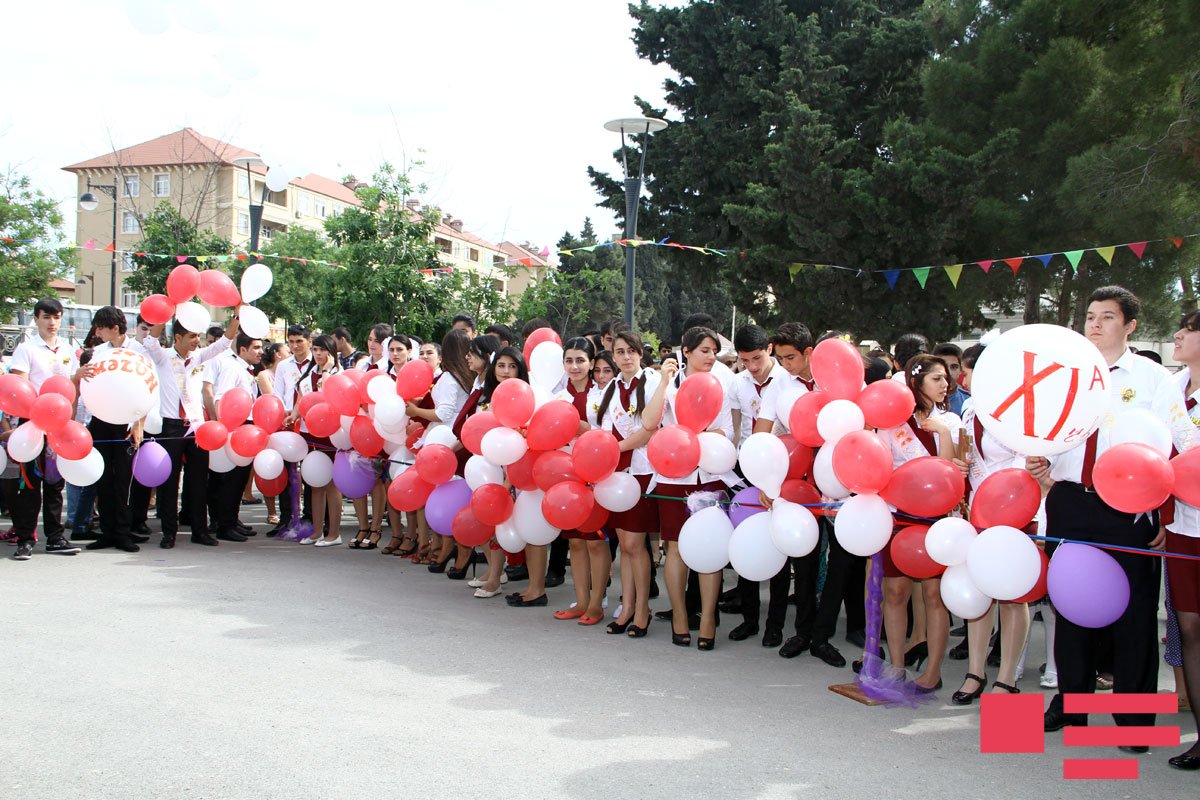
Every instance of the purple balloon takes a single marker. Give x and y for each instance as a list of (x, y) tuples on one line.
[(354, 475), (151, 465), (745, 505), (52, 473), (444, 502), (1087, 585)]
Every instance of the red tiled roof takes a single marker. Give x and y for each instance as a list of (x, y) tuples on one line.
[(328, 187), (181, 147), (466, 236), (59, 283)]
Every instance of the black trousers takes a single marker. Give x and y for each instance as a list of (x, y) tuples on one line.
[(806, 570), (845, 579), (777, 599), (557, 563), (139, 503), (194, 479), (1073, 512), (33, 496), (112, 490), (229, 495)]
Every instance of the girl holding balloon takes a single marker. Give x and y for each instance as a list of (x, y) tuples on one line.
[(370, 526), (620, 411), (699, 348), (398, 353), (931, 431), (428, 542), (326, 499)]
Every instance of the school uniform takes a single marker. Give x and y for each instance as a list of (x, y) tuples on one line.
[(1178, 409), (622, 415), (113, 490), (230, 371)]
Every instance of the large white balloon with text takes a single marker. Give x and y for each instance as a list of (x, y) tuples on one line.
[(122, 388), (1040, 389)]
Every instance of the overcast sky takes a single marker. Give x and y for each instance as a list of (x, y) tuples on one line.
[(504, 101)]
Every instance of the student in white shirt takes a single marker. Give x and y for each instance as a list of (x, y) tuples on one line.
[(235, 371), (37, 358), (287, 389)]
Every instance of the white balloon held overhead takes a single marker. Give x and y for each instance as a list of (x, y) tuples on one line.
[(253, 322), (546, 365), (193, 316), (256, 282)]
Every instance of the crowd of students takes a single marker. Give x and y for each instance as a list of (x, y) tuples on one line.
[(618, 384)]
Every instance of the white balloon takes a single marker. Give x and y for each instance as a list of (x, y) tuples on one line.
[(390, 446), (194, 317), (219, 461), (256, 281), (546, 365), (382, 387), (1059, 410), (619, 491), (765, 462), (392, 436), (480, 472), (793, 528), (341, 440), (824, 475), (26, 442), (237, 459), (288, 444), (1143, 426), (268, 464), (948, 540), (277, 179), (316, 469), (704, 540), (389, 409), (752, 554), (961, 596), (530, 523), (346, 422), (153, 425), (84, 471), (1004, 563), (863, 525), (503, 446), (253, 322), (440, 434), (121, 388), (541, 396), (838, 418), (508, 537), (718, 455)]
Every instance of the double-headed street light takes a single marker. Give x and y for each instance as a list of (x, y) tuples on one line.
[(632, 126), (89, 202)]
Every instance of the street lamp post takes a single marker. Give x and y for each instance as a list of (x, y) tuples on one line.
[(256, 210), (88, 202), (632, 126)]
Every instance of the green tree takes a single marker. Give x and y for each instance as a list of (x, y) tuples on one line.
[(473, 293), (31, 251), (570, 302), (165, 234)]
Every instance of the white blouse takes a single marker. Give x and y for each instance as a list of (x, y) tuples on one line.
[(628, 421)]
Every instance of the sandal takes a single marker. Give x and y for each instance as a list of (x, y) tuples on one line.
[(359, 540), (1006, 687), (392, 545), (372, 542), (409, 551)]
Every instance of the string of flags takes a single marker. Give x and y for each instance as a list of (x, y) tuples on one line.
[(665, 242)]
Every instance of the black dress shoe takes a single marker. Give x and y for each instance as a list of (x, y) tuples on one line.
[(278, 529), (961, 698), (773, 637), (1134, 748), (102, 543), (1185, 761), (138, 538), (246, 530), (517, 573), (141, 529), (829, 654), (1055, 720), (794, 646), (168, 541), (743, 632), (554, 579), (857, 638), (230, 536), (958, 652), (540, 600), (730, 606), (206, 539)]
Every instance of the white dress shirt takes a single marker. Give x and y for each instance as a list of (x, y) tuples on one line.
[(448, 401), (1170, 405), (287, 379), (232, 373), (905, 446), (750, 395), (180, 379), (628, 420), (772, 396), (39, 360)]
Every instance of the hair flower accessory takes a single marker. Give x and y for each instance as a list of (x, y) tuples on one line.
[(916, 370)]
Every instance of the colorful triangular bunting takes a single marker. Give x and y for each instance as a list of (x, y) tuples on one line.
[(1107, 253), (1137, 248), (985, 265), (954, 272), (1015, 263), (1073, 257), (922, 275), (1177, 241), (891, 275), (1045, 258)]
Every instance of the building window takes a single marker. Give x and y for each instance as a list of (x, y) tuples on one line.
[(243, 223), (302, 204), (127, 262), (129, 298), (243, 184), (277, 198), (474, 254), (266, 232), (133, 186), (162, 185), (499, 286), (443, 245), (129, 222), (319, 207)]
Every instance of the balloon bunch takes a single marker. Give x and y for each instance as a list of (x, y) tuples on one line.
[(48, 422), (215, 288)]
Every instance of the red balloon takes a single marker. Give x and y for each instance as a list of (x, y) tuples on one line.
[(16, 395), (1039, 589), (552, 468), (800, 457), (50, 412), (341, 393), (595, 520), (359, 378), (323, 420), (217, 289), (552, 425), (909, 556), (414, 380), (468, 530), (537, 337), (595, 455), (862, 462), (886, 404), (308, 401), (802, 492), (436, 464), (157, 309), (72, 441), (925, 487), (698, 401), (183, 283), (520, 474), (412, 436), (838, 369), (234, 407), (1133, 477), (492, 504), (1006, 497), (1186, 467), (211, 435), (802, 421), (568, 505), (269, 413), (408, 492), (248, 440), (512, 403), (272, 487), (475, 427), (674, 451), (58, 384), (364, 438)]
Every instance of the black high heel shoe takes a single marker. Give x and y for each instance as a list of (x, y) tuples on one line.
[(705, 643), (928, 689), (961, 698), (638, 631), (615, 627), (681, 639), (916, 654), (439, 567), (458, 573)]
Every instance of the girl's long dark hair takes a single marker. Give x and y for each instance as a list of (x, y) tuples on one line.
[(489, 379), (922, 364), (454, 358)]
